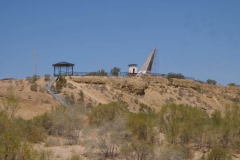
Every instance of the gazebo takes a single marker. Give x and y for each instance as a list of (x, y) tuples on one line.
[(63, 68)]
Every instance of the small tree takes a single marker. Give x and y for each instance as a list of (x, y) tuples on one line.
[(115, 71), (101, 72)]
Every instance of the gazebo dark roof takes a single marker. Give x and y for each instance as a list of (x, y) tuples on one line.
[(63, 64)]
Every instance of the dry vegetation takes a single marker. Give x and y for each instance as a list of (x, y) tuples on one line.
[(119, 118)]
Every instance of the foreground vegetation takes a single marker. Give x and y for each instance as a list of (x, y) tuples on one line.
[(174, 132)]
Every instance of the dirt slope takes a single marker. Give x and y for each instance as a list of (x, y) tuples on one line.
[(31, 103), (140, 92)]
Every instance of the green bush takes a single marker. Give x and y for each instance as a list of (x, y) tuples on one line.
[(175, 75), (210, 81), (62, 82), (15, 133), (98, 73), (47, 77), (34, 87), (106, 112), (81, 96), (232, 84), (182, 123), (219, 153), (142, 126)]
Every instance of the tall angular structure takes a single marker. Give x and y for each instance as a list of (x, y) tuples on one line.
[(147, 66)]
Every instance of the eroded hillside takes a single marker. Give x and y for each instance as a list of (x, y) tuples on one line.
[(31, 103), (144, 92), (141, 93)]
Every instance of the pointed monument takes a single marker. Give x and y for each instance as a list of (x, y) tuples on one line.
[(147, 66)]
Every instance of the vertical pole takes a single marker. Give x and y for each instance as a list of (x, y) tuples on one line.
[(35, 63)]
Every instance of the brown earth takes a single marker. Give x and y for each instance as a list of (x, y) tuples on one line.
[(155, 92), (31, 103), (141, 93)]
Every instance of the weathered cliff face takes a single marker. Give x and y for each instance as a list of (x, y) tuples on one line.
[(156, 91), (127, 85)]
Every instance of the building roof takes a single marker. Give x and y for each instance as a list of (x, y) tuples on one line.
[(63, 64), (132, 65)]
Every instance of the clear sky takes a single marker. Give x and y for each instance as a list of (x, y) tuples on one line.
[(198, 38)]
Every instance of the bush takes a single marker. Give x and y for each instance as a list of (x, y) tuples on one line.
[(106, 112), (15, 134), (175, 75), (182, 123), (98, 73), (69, 99), (47, 77), (232, 84), (81, 98), (175, 152), (219, 153), (34, 87), (210, 81), (142, 126), (62, 82)]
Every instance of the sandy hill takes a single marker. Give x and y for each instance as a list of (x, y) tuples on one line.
[(31, 103), (141, 93)]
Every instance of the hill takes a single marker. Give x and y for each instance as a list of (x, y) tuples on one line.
[(153, 92), (122, 117)]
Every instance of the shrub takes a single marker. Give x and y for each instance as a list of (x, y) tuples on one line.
[(210, 81), (175, 152), (62, 82), (232, 84), (106, 112), (98, 73), (69, 99), (175, 75), (145, 108), (182, 123), (142, 126), (219, 153), (75, 157), (138, 150), (81, 98), (47, 77), (34, 87)]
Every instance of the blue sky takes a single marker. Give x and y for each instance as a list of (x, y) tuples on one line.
[(198, 38)]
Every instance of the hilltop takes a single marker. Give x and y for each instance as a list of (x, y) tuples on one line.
[(141, 93)]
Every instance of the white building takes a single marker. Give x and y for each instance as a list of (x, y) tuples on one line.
[(132, 68)]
